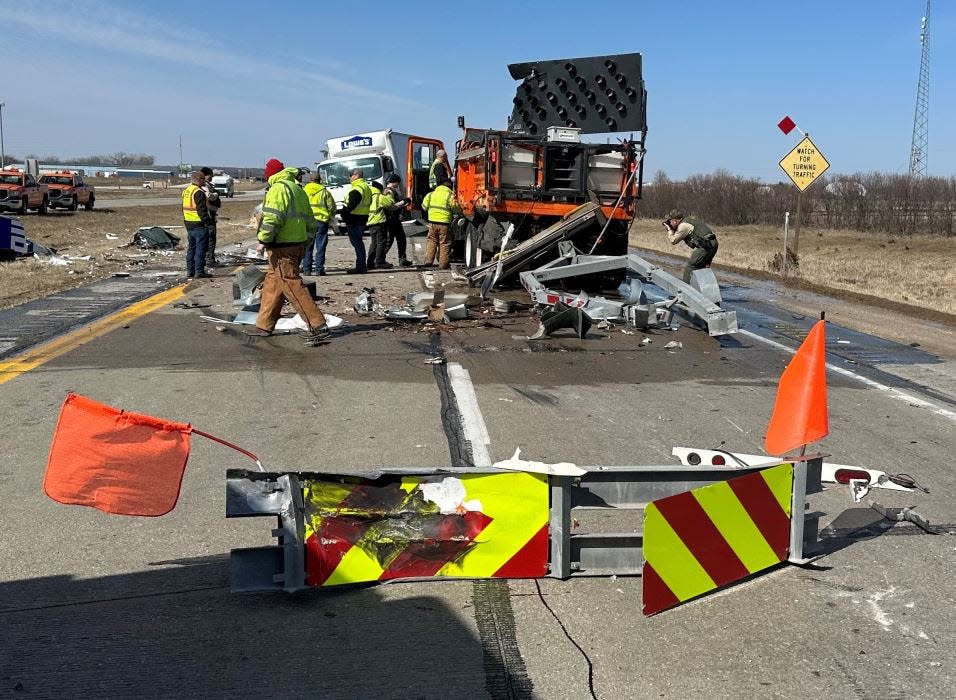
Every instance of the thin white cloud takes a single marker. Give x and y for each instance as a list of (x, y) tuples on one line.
[(111, 29)]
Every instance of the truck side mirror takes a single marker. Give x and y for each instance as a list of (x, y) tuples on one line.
[(388, 164)]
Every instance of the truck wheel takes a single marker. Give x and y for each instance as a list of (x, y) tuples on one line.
[(74, 204), (89, 203), (44, 207), (23, 206), (473, 254)]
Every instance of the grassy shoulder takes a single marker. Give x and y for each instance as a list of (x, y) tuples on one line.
[(101, 234), (915, 270)]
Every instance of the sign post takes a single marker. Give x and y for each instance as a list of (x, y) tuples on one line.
[(803, 165)]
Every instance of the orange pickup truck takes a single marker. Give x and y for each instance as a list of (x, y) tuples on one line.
[(19, 192), (68, 191)]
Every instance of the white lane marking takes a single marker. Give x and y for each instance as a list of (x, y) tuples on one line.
[(473, 425), (891, 392)]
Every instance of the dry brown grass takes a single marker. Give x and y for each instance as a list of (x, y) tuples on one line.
[(84, 233), (919, 270)]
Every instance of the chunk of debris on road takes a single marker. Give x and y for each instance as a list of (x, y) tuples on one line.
[(515, 463), (435, 361), (153, 237), (674, 345)]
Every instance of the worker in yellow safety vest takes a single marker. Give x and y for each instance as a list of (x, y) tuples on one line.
[(441, 205), (355, 216), (197, 219), (438, 170), (383, 205), (287, 227), (323, 209)]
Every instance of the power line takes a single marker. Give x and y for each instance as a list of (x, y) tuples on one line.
[(919, 149)]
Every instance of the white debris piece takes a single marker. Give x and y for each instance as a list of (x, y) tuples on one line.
[(449, 495), (517, 464)]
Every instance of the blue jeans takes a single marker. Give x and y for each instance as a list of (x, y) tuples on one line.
[(356, 230), (196, 250), (317, 251)]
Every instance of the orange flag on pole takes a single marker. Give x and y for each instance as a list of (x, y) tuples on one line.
[(800, 412), (116, 461)]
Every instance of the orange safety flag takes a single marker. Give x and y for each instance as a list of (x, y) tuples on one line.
[(116, 461), (800, 412)]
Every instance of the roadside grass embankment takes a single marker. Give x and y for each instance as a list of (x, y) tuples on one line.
[(908, 269)]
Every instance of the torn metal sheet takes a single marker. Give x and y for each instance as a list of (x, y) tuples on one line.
[(456, 313), (247, 286), (420, 301), (397, 313), (359, 530), (699, 301)]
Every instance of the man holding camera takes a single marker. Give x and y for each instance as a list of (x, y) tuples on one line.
[(697, 235)]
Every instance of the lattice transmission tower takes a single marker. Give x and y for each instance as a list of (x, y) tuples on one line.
[(919, 150)]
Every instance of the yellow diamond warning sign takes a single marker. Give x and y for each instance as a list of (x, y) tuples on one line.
[(804, 164)]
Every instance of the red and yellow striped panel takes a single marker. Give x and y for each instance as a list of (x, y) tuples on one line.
[(700, 540), (463, 525)]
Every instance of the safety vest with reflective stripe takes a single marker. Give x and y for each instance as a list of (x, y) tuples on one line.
[(189, 204), (286, 213), (432, 180), (441, 205), (366, 190), (323, 204), (381, 201)]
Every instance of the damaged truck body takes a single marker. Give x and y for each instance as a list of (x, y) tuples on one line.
[(541, 205)]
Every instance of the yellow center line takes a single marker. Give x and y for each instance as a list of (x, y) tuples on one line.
[(43, 353)]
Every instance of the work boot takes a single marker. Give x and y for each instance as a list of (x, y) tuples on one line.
[(405, 262), (317, 335), (384, 266), (257, 332)]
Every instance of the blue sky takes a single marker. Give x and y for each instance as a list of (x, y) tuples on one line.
[(246, 81)]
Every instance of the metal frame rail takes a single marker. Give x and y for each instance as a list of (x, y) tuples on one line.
[(630, 488)]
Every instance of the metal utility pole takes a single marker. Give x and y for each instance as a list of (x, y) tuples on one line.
[(180, 155), (3, 152), (919, 150)]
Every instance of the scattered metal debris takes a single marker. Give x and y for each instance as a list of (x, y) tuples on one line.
[(435, 361), (699, 301), (901, 514)]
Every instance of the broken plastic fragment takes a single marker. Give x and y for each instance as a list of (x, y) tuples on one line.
[(523, 465)]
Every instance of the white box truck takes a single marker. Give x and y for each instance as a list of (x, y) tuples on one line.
[(379, 154), (224, 185)]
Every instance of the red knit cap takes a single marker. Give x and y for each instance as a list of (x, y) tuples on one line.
[(273, 166)]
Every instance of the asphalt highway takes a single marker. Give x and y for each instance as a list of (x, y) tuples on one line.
[(100, 605)]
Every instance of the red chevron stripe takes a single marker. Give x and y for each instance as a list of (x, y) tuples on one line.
[(762, 507), (691, 524), (531, 561), (657, 596), (444, 539), (338, 533)]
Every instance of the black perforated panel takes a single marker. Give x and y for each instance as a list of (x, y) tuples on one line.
[(598, 94)]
